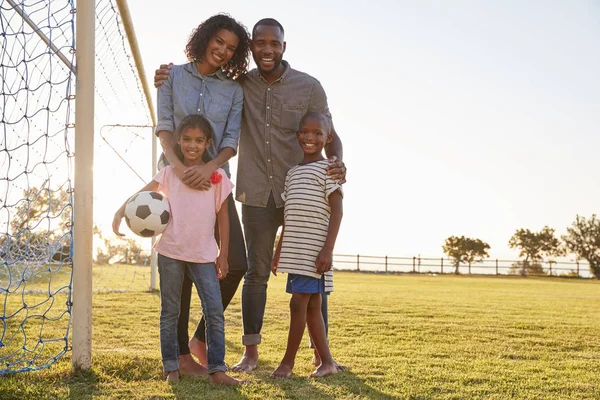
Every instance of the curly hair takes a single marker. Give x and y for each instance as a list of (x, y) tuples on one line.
[(192, 121), (195, 48)]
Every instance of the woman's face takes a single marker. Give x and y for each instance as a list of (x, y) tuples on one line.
[(221, 48)]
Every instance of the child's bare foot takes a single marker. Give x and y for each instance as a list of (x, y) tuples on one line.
[(189, 366), (283, 371), (316, 361), (221, 378), (324, 370), (172, 376), (249, 360), (198, 348)]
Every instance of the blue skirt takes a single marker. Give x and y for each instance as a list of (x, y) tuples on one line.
[(305, 284)]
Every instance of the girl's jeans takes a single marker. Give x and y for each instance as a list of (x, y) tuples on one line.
[(205, 279)]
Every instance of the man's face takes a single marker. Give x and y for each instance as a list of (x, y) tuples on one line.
[(267, 48)]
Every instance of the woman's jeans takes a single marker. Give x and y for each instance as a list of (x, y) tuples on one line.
[(205, 279)]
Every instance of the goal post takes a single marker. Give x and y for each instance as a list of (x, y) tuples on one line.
[(84, 186)]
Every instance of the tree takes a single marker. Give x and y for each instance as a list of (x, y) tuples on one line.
[(583, 239), (465, 250), (39, 224), (534, 246)]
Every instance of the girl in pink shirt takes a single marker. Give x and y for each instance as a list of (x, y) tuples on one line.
[(188, 246)]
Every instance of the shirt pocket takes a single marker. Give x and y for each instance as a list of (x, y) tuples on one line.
[(217, 111), (290, 115)]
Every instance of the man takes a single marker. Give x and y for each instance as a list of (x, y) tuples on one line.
[(275, 99)]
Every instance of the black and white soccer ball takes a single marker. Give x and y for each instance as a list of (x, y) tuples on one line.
[(147, 213)]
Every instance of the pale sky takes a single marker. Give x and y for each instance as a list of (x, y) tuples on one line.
[(471, 118)]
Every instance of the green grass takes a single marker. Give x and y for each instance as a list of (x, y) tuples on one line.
[(403, 336)]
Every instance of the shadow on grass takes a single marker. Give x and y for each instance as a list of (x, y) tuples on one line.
[(341, 385)]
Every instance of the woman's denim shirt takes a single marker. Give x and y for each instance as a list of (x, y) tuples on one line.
[(217, 98)]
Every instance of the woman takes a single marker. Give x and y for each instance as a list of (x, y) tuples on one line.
[(218, 52)]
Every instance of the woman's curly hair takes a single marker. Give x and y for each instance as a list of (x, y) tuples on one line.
[(195, 49)]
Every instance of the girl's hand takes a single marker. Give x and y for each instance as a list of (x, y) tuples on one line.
[(324, 260), (222, 267), (198, 176), (117, 221), (337, 170), (161, 74)]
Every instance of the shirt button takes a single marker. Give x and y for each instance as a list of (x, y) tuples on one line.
[(271, 177), (268, 107), (269, 89), (200, 94), (267, 142), (269, 160), (267, 124)]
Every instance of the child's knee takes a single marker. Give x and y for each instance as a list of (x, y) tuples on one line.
[(314, 303), (298, 302)]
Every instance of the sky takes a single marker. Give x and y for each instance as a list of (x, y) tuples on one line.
[(472, 118)]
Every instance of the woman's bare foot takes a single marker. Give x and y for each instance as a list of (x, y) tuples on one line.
[(324, 370), (249, 360), (172, 376), (189, 366), (198, 348), (221, 378), (283, 371)]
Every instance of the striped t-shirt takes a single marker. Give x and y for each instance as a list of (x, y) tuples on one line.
[(306, 195)]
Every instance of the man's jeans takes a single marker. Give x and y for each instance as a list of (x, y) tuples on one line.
[(260, 228), (238, 266), (205, 278)]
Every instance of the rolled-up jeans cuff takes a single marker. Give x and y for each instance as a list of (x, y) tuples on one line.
[(171, 365), (219, 368), (253, 339)]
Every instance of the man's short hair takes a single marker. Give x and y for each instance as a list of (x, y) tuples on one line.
[(267, 22)]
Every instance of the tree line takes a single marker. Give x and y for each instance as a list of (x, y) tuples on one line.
[(582, 240)]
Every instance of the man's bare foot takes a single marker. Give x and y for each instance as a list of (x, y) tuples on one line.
[(189, 366), (221, 378), (249, 360), (172, 376), (283, 371), (324, 370), (316, 361), (198, 348)]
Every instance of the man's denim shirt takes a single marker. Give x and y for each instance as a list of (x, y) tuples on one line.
[(217, 98)]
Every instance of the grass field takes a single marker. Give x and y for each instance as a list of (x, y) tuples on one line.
[(403, 336)]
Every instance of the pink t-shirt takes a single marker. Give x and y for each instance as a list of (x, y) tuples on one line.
[(189, 236)]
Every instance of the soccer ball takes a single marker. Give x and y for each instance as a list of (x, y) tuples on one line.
[(147, 213)]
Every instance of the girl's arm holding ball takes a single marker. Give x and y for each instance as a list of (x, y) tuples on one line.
[(150, 187)]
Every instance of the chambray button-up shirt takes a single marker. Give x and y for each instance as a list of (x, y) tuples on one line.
[(268, 143), (217, 98)]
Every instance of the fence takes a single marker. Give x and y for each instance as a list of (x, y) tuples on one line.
[(418, 264)]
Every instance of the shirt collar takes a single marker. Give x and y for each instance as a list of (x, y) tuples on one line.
[(191, 68)]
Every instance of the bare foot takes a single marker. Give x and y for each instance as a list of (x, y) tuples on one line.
[(221, 378), (172, 376), (198, 348), (249, 360), (283, 371), (324, 370), (316, 361), (189, 366)]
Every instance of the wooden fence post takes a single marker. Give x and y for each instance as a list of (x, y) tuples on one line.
[(442, 264), (386, 269), (414, 262), (358, 262), (496, 266)]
